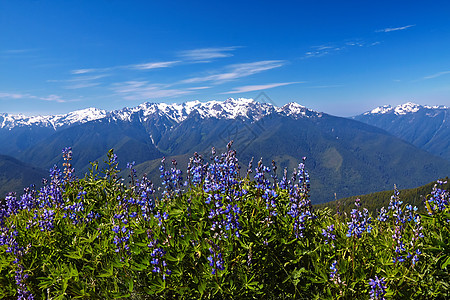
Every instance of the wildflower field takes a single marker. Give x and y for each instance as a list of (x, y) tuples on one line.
[(214, 234)]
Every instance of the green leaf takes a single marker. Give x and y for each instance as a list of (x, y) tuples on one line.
[(130, 285), (108, 273), (446, 263)]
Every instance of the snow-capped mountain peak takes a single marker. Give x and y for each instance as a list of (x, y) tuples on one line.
[(229, 109), (408, 107), (402, 109), (53, 121)]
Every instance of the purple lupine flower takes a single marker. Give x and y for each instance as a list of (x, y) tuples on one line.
[(360, 221), (405, 250), (172, 180), (300, 208), (51, 194), (274, 173), (12, 205), (221, 185), (8, 239), (335, 277), (417, 234), (130, 166), (215, 258), (22, 289), (329, 235), (146, 201), (113, 159), (284, 180), (161, 217), (377, 288), (249, 168), (383, 216), (157, 256), (439, 199), (196, 170), (46, 219), (68, 170), (121, 228)]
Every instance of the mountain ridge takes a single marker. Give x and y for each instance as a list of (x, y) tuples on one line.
[(228, 109), (402, 109), (426, 127)]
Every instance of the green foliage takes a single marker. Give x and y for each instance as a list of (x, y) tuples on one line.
[(86, 256)]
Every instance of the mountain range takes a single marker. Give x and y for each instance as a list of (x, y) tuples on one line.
[(426, 127), (345, 156)]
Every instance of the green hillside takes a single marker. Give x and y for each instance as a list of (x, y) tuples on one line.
[(375, 201), (15, 175)]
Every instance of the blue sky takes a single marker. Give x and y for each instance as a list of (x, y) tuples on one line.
[(339, 57)]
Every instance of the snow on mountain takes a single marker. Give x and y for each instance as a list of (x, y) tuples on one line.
[(228, 109), (56, 121), (401, 109)]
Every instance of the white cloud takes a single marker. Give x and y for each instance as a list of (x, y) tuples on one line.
[(79, 78), (18, 51), (53, 98), (436, 75), (15, 96), (325, 86), (82, 81), (143, 90), (394, 28), (143, 66), (199, 88), (238, 71), (251, 88), (81, 85), (207, 54), (84, 71), (322, 50), (153, 65)]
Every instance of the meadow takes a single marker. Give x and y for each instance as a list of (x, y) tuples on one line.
[(210, 233)]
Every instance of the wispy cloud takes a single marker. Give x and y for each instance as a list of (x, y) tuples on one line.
[(318, 51), (389, 29), (143, 90), (81, 81), (207, 54), (322, 50), (325, 86), (252, 88), (437, 75), (142, 66), (81, 85), (84, 71), (187, 56), (236, 71), (14, 96), (80, 78), (195, 88), (52, 98), (153, 65), (18, 51)]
